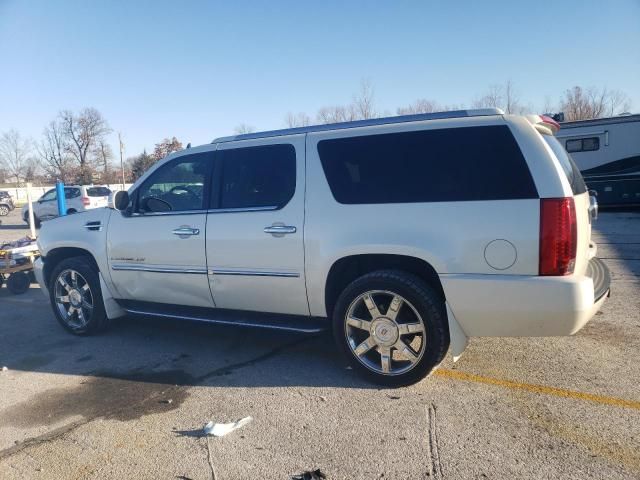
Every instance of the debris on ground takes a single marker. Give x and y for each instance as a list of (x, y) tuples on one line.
[(310, 475), (221, 429)]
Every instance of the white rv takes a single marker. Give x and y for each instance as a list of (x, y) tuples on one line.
[(607, 151)]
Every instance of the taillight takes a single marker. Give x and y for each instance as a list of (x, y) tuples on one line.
[(558, 236), (85, 201), (551, 122)]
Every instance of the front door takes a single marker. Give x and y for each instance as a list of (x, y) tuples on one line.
[(156, 249), (255, 248)]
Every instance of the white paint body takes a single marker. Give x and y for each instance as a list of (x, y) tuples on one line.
[(461, 240), (46, 207)]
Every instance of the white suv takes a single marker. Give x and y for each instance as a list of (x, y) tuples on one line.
[(77, 198), (403, 235)]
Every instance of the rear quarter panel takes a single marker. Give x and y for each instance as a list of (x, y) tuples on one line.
[(451, 236)]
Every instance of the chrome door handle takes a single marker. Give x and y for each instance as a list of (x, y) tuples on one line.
[(186, 231), (280, 229)]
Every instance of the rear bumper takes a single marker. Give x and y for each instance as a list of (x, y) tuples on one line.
[(528, 306)]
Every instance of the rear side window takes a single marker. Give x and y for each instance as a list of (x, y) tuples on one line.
[(571, 170), (98, 191), (254, 177), (71, 193), (444, 165)]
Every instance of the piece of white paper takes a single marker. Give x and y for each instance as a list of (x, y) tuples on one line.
[(221, 429)]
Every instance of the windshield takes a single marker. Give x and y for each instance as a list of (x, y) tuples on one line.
[(568, 165)]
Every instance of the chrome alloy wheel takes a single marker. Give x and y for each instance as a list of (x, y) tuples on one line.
[(73, 298), (389, 343)]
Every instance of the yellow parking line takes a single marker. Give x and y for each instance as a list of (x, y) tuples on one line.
[(558, 392)]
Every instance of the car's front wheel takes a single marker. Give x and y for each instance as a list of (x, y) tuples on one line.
[(76, 296), (392, 327), (4, 210)]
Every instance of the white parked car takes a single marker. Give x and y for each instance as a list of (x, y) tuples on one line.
[(404, 235), (78, 199)]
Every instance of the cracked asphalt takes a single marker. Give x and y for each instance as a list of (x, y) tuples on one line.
[(131, 403)]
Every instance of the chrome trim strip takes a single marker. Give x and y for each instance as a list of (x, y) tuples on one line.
[(252, 273), (144, 268), (243, 209), (210, 210), (227, 322), (160, 214)]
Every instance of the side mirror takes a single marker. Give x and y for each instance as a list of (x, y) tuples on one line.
[(119, 200)]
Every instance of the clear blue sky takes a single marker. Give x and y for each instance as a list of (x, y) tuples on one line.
[(198, 69)]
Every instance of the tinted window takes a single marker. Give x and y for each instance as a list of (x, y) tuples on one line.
[(455, 164), (263, 176), (98, 191), (71, 193), (583, 144), (568, 165), (176, 186)]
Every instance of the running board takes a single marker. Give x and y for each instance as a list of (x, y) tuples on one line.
[(237, 318)]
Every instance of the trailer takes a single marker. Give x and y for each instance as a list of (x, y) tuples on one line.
[(16, 264), (607, 152)]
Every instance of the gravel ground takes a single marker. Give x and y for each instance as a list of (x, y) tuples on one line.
[(130, 403)]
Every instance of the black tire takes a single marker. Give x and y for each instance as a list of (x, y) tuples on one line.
[(18, 283), (89, 324), (71, 211), (36, 220), (4, 210), (420, 303)]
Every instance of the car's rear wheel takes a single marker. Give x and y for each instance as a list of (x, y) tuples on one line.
[(76, 296), (392, 327), (4, 210), (36, 220)]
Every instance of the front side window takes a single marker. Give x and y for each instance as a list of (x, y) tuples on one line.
[(255, 177), (50, 195), (177, 186)]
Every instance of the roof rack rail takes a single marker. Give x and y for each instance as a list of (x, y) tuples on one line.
[(365, 123)]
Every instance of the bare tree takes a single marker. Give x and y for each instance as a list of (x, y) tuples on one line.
[(363, 101), (422, 105), (243, 128), (15, 155), (165, 147), (103, 155), (501, 96), (583, 104), (53, 151), (84, 131), (300, 119)]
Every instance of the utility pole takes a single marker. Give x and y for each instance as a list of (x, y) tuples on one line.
[(121, 160)]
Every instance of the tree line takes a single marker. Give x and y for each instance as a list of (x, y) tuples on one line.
[(74, 146)]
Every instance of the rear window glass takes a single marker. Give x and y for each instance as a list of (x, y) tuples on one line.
[(443, 165), (571, 170), (98, 191)]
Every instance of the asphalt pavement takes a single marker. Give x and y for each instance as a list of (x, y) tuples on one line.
[(131, 403)]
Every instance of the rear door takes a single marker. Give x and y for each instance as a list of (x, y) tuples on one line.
[(255, 250), (97, 197)]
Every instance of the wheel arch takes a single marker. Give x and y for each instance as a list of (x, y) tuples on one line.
[(346, 269), (55, 256)]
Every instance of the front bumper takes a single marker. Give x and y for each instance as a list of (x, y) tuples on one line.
[(527, 306), (38, 270)]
